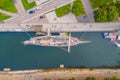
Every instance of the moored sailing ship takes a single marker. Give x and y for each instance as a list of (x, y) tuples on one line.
[(57, 41)]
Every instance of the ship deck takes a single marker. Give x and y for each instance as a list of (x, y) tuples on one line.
[(54, 41)]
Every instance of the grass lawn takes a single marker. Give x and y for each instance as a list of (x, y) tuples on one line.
[(27, 5), (97, 3), (8, 5), (77, 8), (3, 17), (66, 34), (63, 10)]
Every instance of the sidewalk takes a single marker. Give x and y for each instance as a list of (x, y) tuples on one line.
[(88, 10), (19, 7), (7, 13)]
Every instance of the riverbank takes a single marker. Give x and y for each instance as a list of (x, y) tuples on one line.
[(78, 74)]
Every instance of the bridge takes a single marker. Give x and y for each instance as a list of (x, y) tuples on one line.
[(60, 27)]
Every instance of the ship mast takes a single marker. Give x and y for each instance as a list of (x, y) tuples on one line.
[(69, 43), (48, 32)]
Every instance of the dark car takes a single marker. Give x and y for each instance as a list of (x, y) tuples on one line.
[(84, 16), (42, 17), (31, 12)]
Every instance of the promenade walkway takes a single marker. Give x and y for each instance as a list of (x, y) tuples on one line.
[(81, 27), (7, 13), (78, 74), (61, 27), (88, 10)]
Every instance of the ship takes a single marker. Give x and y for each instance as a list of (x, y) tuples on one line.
[(56, 41)]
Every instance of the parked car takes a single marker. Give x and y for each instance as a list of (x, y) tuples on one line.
[(41, 17), (31, 11), (85, 16), (38, 8)]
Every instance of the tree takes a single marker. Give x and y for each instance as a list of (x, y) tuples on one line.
[(117, 4), (100, 15), (72, 79), (2, 2), (114, 78), (90, 78), (107, 12), (107, 78), (112, 13), (47, 79)]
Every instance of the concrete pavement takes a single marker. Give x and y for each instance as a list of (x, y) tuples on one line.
[(81, 27), (7, 13), (19, 6), (88, 10), (61, 27)]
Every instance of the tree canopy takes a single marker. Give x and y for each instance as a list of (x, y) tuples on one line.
[(107, 12)]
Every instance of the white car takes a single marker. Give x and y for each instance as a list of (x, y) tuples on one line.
[(38, 8)]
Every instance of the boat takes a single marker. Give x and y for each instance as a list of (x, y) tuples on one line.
[(106, 35), (117, 44), (56, 41)]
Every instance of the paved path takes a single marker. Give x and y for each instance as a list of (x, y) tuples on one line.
[(78, 74), (19, 6), (88, 10), (61, 27), (7, 13), (81, 27), (44, 9)]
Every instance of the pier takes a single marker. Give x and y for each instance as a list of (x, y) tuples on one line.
[(60, 27)]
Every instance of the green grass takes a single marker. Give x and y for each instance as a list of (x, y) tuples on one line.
[(3, 17), (97, 3), (63, 10), (8, 5), (77, 8), (27, 5), (66, 34)]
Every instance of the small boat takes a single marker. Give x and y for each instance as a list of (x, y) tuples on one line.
[(117, 44), (106, 35)]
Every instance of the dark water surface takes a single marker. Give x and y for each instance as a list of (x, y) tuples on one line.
[(100, 52)]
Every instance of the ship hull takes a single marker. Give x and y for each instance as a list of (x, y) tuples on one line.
[(56, 41)]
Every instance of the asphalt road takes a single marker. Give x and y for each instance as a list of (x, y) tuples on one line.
[(44, 9)]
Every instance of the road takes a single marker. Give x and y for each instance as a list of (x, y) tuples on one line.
[(19, 6), (88, 10), (44, 9)]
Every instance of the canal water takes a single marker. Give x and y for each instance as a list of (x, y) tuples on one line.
[(99, 53)]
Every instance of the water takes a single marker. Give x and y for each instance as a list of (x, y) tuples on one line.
[(100, 52)]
